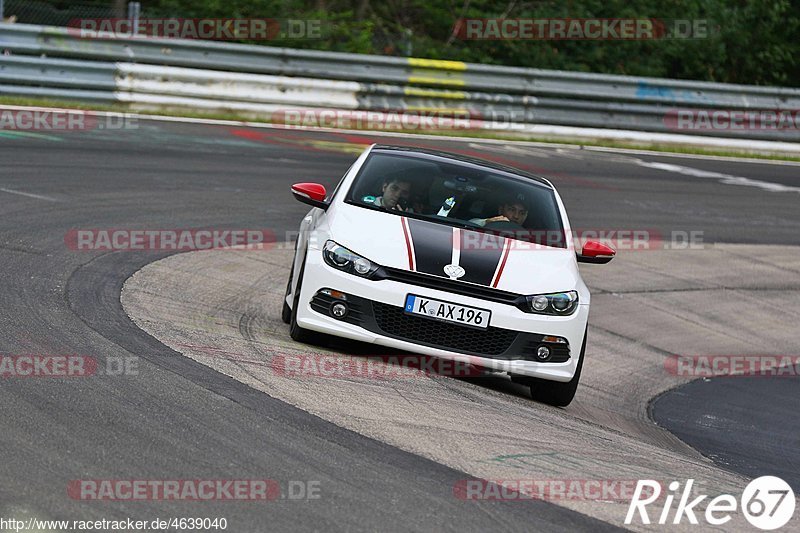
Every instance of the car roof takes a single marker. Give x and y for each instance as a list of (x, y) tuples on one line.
[(414, 151)]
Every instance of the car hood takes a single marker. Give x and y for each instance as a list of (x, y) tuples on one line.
[(417, 245)]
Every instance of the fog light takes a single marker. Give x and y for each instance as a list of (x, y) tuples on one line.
[(338, 310), (543, 353)]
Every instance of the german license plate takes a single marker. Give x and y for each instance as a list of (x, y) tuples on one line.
[(447, 312)]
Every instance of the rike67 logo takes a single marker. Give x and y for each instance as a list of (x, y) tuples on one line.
[(767, 502)]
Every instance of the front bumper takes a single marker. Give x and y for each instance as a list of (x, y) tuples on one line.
[(379, 319)]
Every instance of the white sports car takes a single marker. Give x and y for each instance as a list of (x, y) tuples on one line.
[(446, 256)]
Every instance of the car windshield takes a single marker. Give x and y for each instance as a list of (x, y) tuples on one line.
[(459, 193)]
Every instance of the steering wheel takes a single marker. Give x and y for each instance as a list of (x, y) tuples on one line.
[(504, 225)]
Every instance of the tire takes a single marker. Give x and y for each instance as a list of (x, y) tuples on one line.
[(295, 331), (558, 393), (286, 311)]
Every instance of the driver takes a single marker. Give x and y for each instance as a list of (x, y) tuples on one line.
[(395, 194), (512, 209)]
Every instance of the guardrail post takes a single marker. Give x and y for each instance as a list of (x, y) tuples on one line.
[(408, 44), (134, 10)]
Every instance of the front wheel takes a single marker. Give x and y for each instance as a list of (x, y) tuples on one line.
[(558, 393)]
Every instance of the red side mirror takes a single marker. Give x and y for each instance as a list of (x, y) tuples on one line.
[(596, 252), (310, 193)]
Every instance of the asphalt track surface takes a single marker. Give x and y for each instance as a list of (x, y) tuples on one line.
[(178, 419)]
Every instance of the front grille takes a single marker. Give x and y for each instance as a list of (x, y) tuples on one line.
[(396, 323)]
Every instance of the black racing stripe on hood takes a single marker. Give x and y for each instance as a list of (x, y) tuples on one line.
[(433, 246), (480, 255)]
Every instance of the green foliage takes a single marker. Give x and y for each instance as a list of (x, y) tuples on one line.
[(749, 41)]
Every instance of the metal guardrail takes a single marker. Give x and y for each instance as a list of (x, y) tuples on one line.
[(58, 73), (260, 78)]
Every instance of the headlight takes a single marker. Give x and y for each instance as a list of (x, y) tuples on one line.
[(558, 303), (345, 260)]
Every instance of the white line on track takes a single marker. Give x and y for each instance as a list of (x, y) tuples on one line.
[(691, 156), (726, 179), (29, 195)]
